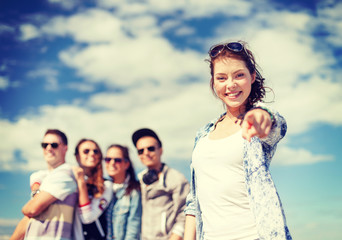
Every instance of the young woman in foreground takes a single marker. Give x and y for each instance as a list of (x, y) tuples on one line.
[(232, 193)]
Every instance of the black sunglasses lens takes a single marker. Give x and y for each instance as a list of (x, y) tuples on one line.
[(151, 149), (140, 151), (216, 50), (117, 160), (95, 151), (54, 145), (235, 46), (86, 151)]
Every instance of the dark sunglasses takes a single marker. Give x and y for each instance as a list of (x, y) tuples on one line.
[(150, 149), (86, 151), (53, 145), (232, 46), (116, 160)]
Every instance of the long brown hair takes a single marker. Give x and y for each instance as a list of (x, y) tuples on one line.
[(95, 182), (133, 183)]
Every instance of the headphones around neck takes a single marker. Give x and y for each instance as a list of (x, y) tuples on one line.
[(152, 175)]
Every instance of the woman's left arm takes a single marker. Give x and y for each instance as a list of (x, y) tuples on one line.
[(133, 227)]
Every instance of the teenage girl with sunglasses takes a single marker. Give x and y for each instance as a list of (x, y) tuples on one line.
[(95, 193), (232, 193), (124, 211)]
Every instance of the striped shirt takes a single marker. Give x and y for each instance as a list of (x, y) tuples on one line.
[(56, 222)]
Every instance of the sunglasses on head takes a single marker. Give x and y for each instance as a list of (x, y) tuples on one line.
[(232, 46), (53, 145), (116, 160), (87, 151), (150, 149)]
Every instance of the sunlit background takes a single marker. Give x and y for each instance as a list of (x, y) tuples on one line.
[(102, 69)]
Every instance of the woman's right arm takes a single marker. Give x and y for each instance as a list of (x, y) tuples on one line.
[(190, 228), (83, 198)]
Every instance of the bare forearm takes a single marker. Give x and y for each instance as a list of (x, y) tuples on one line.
[(190, 228), (175, 237), (19, 231), (83, 197), (38, 204)]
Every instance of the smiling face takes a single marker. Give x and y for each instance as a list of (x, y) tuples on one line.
[(232, 83), (116, 169), (54, 156), (150, 157), (89, 155)]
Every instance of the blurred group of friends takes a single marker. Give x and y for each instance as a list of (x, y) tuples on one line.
[(79, 203)]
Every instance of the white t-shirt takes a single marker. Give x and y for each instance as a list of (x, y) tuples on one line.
[(59, 182), (221, 189), (57, 220)]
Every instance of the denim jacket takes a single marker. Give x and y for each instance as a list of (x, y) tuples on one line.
[(263, 197), (124, 216)]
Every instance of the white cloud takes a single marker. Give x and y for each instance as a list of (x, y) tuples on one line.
[(183, 31), (4, 83), (130, 99), (117, 58), (290, 156), (204, 8), (49, 75), (3, 67), (185, 9), (67, 4), (134, 62), (141, 26), (17, 139), (330, 9), (170, 24), (331, 21), (5, 28), (28, 32), (281, 42), (82, 87), (309, 102), (91, 26)]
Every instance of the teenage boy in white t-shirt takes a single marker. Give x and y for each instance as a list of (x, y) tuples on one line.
[(50, 212)]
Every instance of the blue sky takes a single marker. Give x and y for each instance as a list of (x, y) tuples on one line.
[(102, 69)]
